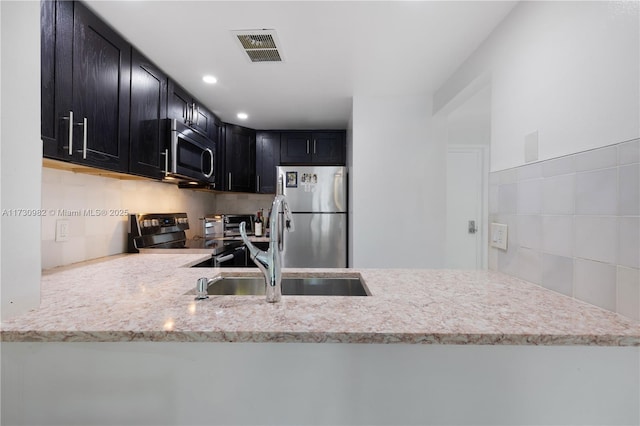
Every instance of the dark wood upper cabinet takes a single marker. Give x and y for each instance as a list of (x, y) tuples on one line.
[(328, 148), (267, 160), (104, 104), (56, 39), (315, 147), (101, 90), (85, 102), (240, 159), (184, 107), (148, 133)]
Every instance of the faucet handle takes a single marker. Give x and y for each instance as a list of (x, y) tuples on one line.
[(255, 251)]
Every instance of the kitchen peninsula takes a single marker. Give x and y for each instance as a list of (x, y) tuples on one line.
[(472, 332), (143, 298)]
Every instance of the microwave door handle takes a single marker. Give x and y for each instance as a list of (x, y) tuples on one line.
[(207, 175), (166, 162)]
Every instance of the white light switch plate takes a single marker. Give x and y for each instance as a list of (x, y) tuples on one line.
[(62, 230), (498, 235)]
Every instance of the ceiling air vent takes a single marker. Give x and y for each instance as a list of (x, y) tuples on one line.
[(260, 45)]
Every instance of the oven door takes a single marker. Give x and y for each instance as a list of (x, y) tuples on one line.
[(192, 154)]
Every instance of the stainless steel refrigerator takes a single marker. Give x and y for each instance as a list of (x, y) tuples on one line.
[(317, 198)]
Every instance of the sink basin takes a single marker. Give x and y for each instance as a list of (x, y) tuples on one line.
[(291, 286)]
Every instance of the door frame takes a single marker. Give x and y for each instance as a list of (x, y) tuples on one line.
[(483, 199)]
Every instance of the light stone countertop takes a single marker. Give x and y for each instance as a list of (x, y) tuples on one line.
[(142, 297)]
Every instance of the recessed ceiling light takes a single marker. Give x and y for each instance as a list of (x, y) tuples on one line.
[(209, 79), (243, 115)]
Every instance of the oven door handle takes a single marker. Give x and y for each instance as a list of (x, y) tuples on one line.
[(225, 258)]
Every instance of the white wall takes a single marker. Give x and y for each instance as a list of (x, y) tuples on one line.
[(569, 70), (21, 156), (470, 124), (398, 169)]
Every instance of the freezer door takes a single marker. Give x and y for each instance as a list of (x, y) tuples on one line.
[(319, 241), (315, 188)]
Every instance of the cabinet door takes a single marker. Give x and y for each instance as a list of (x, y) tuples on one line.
[(240, 157), (328, 148), (202, 119), (267, 160), (56, 40), (219, 138), (179, 103), (101, 90), (295, 148), (148, 132)]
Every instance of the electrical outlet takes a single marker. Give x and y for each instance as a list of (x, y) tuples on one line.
[(62, 230), (499, 235)]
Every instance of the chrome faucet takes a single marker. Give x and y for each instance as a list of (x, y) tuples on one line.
[(270, 262)]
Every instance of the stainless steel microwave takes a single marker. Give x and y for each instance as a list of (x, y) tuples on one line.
[(191, 155)]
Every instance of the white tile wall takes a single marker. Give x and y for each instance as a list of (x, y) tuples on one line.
[(557, 235), (595, 282), (629, 190), (558, 194), (596, 159), (597, 192), (629, 292), (574, 225), (529, 231), (596, 238), (629, 241), (629, 152), (557, 273), (97, 236), (529, 196)]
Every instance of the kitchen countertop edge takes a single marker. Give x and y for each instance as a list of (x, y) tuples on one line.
[(319, 337)]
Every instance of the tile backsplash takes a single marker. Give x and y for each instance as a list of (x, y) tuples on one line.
[(243, 203), (574, 225), (69, 196)]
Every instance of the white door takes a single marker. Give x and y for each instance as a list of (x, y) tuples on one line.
[(465, 221)]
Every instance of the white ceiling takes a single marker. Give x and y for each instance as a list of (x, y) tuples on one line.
[(333, 50)]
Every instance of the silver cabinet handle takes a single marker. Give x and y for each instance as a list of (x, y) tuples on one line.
[(189, 113), (314, 146), (70, 137), (258, 183), (208, 175), (229, 181), (307, 146), (84, 138)]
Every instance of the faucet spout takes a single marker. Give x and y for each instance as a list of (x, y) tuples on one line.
[(270, 262)]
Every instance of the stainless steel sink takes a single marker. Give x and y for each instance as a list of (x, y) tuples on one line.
[(306, 286)]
